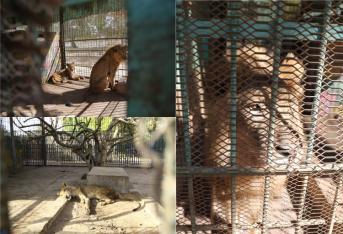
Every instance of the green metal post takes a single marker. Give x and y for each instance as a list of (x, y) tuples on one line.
[(314, 113), (182, 74), (234, 13), (277, 43), (151, 60)]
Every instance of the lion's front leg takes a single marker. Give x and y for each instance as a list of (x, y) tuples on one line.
[(111, 79)]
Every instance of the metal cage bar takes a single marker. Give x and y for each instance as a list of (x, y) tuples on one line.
[(272, 119), (151, 60), (61, 39), (335, 204), (185, 112), (204, 31), (314, 112), (233, 108), (200, 27)]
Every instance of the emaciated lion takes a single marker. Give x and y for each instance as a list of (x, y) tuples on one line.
[(103, 194), (104, 70)]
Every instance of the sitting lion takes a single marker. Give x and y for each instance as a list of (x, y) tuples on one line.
[(104, 70)]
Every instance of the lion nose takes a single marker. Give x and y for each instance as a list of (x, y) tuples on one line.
[(284, 150)]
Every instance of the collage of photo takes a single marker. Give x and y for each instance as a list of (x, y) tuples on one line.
[(171, 116)]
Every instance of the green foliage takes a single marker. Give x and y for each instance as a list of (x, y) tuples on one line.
[(101, 123), (151, 124), (88, 122)]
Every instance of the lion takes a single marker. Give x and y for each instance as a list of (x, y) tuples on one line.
[(104, 70), (104, 195), (64, 75), (254, 101)]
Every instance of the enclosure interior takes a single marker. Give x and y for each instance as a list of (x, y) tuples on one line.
[(252, 77), (39, 43), (89, 29)]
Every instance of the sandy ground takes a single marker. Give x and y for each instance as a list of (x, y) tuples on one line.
[(34, 201), (112, 218), (117, 217)]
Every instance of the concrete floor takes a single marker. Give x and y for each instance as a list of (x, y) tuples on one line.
[(35, 206), (82, 103)]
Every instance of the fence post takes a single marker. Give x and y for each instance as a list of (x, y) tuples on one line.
[(61, 39), (43, 145), (13, 152)]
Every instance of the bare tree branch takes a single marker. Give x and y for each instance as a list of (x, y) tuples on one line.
[(82, 137)]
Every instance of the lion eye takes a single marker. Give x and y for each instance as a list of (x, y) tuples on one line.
[(255, 107), (258, 107)]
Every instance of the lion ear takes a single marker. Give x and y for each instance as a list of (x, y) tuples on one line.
[(64, 184), (291, 70)]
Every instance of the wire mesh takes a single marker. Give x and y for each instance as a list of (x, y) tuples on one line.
[(23, 48), (259, 110), (90, 29)]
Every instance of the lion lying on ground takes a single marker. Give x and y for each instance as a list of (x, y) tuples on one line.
[(104, 70), (254, 102), (65, 75), (102, 194)]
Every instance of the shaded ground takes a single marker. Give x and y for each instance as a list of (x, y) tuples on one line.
[(34, 204), (112, 218), (33, 196), (82, 102)]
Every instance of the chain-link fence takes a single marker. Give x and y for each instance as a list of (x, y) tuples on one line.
[(40, 38), (90, 29), (259, 109), (23, 49)]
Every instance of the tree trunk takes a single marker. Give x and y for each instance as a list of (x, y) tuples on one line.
[(103, 156), (4, 217)]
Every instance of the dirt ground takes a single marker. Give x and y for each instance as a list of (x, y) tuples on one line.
[(112, 218), (35, 206)]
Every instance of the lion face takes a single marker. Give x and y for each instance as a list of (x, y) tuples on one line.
[(257, 145), (255, 112), (67, 191), (71, 66), (119, 53)]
